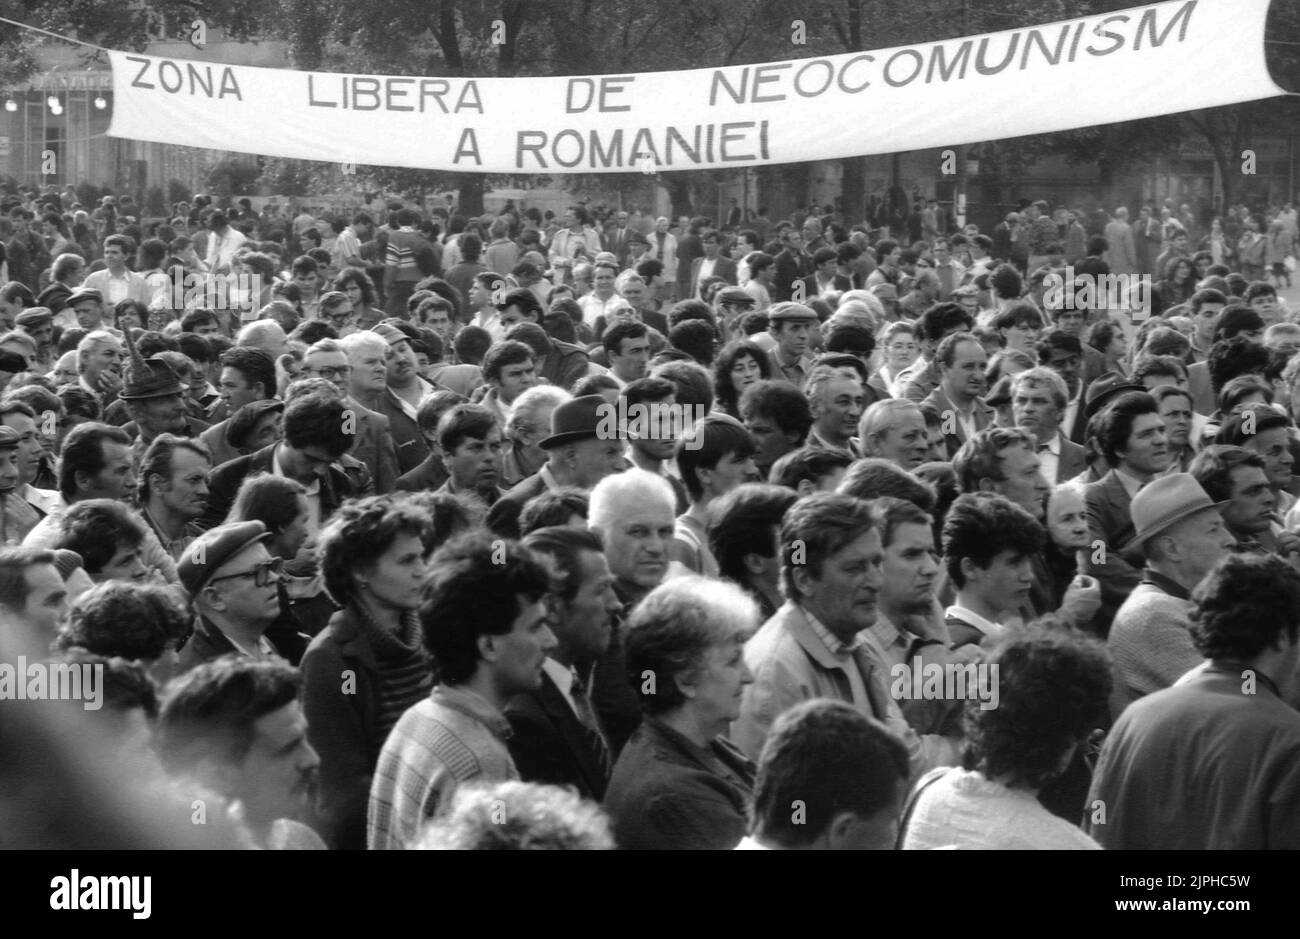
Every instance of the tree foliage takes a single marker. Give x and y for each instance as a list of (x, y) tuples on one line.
[(469, 38)]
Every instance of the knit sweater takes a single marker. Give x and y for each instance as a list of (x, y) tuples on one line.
[(404, 676), (451, 737), (1150, 644)]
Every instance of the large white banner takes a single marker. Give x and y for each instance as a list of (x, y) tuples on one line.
[(1131, 64)]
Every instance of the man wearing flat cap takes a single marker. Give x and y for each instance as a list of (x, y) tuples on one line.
[(87, 305), (732, 304), (401, 398), (792, 326), (1181, 532), (231, 579), (584, 447), (38, 323)]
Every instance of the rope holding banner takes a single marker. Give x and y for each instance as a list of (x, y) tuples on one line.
[(46, 32)]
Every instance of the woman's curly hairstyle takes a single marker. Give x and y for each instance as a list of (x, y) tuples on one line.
[(1053, 689), (358, 533), (724, 392), (137, 622)]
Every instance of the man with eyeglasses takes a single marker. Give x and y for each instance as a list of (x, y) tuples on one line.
[(366, 354), (337, 309), (231, 579)]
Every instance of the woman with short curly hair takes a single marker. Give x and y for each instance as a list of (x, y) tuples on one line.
[(369, 664), (740, 364), (1048, 690)]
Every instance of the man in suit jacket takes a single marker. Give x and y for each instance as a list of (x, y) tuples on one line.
[(961, 361), (713, 264), (824, 279), (400, 400), (1131, 435), (792, 264), (557, 739), (1038, 399), (315, 437), (579, 453)]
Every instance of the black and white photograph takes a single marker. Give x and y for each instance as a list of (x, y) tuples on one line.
[(485, 425)]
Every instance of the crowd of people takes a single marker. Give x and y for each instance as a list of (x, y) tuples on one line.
[(373, 548)]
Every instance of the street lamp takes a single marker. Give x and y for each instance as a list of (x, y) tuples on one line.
[(100, 103), (11, 105)]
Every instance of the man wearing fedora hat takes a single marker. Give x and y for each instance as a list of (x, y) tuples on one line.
[(584, 447), (155, 402), (1180, 530), (231, 579)]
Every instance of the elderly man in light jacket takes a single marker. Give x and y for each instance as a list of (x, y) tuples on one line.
[(818, 644)]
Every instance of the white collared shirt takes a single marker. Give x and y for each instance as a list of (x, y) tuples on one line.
[(48, 501), (563, 677), (411, 410), (492, 323), (990, 629), (592, 307), (549, 478), (966, 421), (1049, 456), (1072, 409), (1131, 483)]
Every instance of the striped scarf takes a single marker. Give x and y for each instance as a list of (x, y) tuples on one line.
[(405, 677)]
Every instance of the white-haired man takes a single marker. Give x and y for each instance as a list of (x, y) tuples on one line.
[(101, 359), (894, 429), (634, 512), (365, 354), (1039, 397)]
